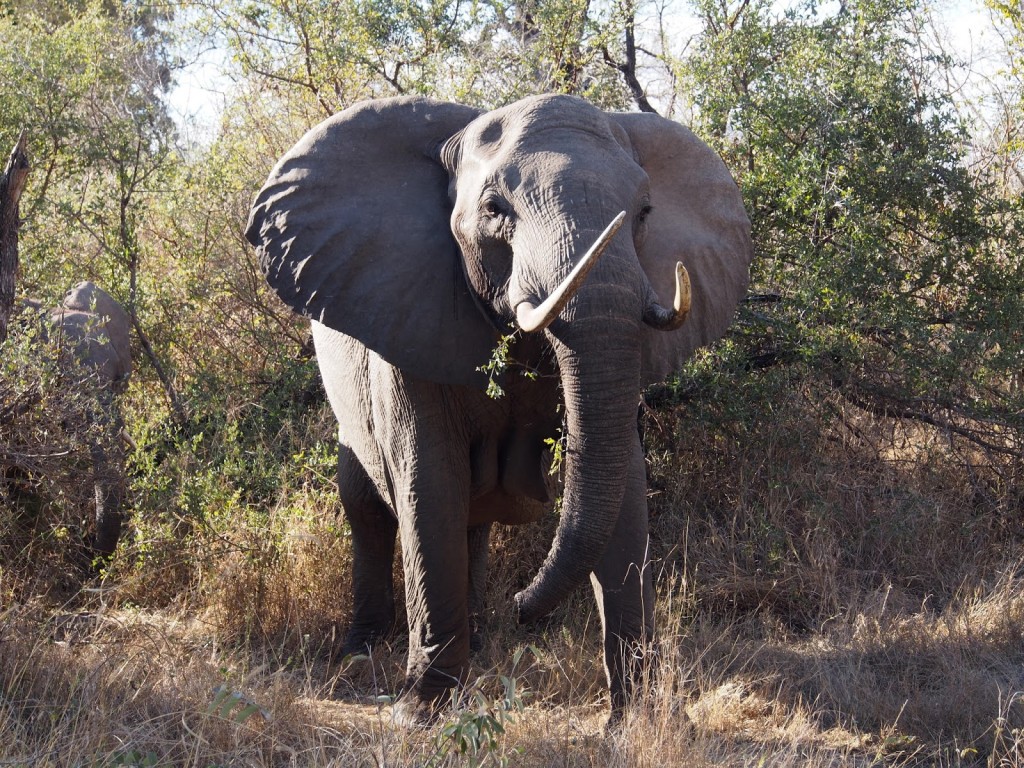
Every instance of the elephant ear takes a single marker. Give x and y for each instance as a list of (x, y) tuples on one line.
[(352, 229), (698, 219)]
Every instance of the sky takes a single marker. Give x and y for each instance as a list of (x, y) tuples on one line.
[(203, 86), (200, 94)]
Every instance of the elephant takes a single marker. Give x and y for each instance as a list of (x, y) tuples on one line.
[(92, 332), (595, 251)]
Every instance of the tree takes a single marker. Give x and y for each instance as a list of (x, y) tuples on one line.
[(1008, 130), (88, 81), (314, 61), (12, 183), (330, 55), (883, 261)]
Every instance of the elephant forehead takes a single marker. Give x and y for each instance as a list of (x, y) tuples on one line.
[(553, 110), (567, 167), (537, 124), (568, 140)]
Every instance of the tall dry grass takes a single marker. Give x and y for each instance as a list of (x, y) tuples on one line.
[(834, 589), (118, 687)]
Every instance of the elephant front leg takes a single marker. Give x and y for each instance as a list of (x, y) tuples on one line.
[(436, 564), (426, 453), (108, 488), (107, 454), (623, 587)]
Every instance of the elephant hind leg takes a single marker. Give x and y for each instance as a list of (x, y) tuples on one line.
[(478, 540), (374, 529)]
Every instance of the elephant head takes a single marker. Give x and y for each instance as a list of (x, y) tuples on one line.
[(426, 229), (98, 330)]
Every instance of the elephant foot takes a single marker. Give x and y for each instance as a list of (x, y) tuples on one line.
[(616, 719), (362, 640), (425, 697), (412, 711)]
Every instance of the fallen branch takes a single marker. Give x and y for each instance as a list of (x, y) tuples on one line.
[(888, 407)]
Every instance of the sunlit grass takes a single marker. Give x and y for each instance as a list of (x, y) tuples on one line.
[(118, 687), (844, 599)]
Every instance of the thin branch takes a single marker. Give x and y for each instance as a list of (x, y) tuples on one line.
[(869, 402), (177, 409)]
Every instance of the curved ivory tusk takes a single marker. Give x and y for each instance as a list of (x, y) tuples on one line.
[(531, 318), (663, 319)]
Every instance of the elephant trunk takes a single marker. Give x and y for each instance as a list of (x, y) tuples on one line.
[(599, 370), (531, 318)]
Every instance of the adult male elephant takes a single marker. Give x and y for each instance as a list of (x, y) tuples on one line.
[(414, 234), (93, 332)]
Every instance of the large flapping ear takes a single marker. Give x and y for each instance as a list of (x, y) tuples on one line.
[(698, 219), (352, 229)]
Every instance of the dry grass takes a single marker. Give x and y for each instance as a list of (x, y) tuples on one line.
[(106, 687), (833, 591)]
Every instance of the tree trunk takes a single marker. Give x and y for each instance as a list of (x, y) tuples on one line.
[(628, 67), (12, 183)]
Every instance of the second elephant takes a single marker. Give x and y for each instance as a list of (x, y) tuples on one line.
[(92, 334)]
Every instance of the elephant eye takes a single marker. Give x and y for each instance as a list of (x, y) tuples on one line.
[(492, 208), (640, 224)]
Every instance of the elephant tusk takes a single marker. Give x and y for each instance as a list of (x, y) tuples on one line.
[(535, 318), (663, 319)]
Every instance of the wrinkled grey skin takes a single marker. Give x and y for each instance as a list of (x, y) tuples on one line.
[(93, 331), (409, 231)]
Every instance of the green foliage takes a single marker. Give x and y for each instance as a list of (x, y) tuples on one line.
[(1012, 16), (880, 254), (214, 488), (557, 447), (496, 367), (477, 729), (217, 364), (502, 360), (234, 706), (515, 49), (87, 86), (332, 55), (1006, 126), (131, 759), (316, 60)]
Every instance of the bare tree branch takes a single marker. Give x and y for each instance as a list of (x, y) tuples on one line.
[(628, 67)]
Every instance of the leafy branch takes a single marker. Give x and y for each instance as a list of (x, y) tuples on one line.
[(501, 360)]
